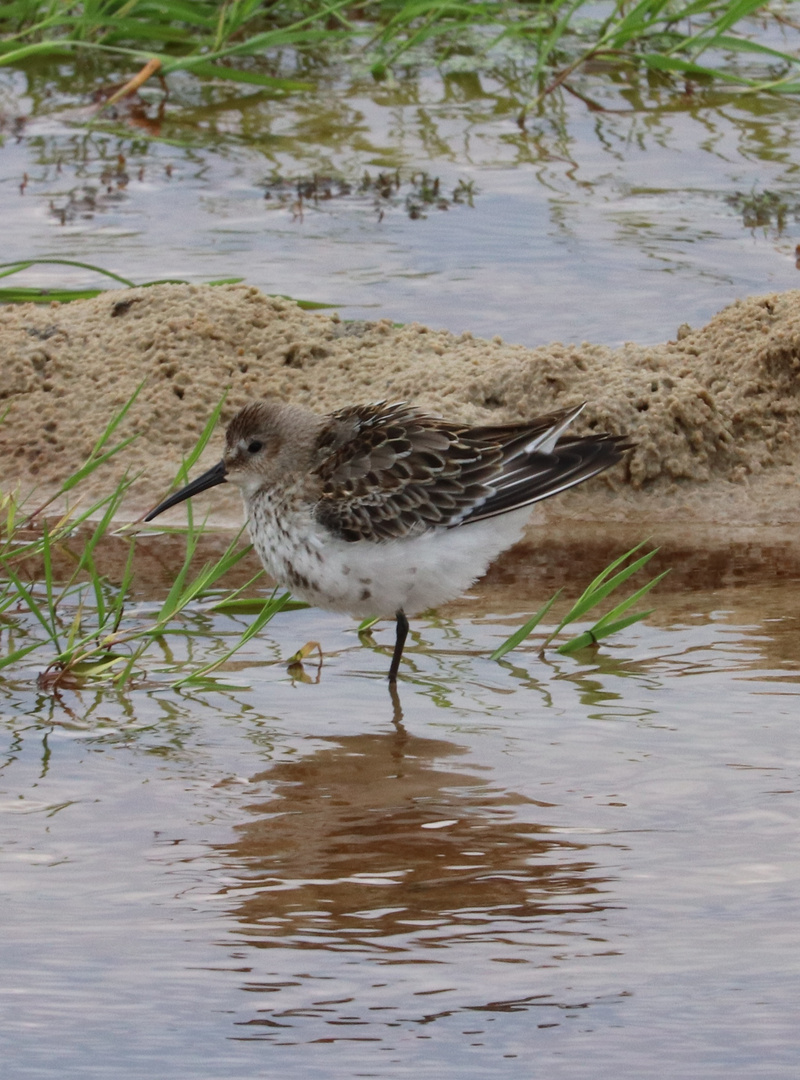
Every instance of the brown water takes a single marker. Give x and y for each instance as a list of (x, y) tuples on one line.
[(570, 867)]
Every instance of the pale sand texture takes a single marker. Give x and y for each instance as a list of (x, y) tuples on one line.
[(716, 414)]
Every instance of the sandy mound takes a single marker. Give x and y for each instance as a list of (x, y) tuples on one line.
[(715, 413)]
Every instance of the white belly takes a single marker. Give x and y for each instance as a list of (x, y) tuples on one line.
[(377, 579)]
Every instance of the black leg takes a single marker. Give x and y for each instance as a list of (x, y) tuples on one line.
[(400, 640)]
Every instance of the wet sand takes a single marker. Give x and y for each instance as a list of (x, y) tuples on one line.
[(715, 413)]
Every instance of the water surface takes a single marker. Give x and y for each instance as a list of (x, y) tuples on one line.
[(616, 220), (572, 867)]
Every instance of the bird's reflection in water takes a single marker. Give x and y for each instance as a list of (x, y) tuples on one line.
[(429, 880)]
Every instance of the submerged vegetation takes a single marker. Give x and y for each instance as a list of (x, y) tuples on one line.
[(535, 48), (765, 209), (87, 630), (416, 194)]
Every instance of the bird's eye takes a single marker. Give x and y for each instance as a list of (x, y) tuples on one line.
[(254, 446)]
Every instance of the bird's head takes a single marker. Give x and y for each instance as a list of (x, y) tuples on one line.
[(267, 441)]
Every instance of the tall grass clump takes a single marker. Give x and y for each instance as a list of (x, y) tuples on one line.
[(617, 618), (84, 626)]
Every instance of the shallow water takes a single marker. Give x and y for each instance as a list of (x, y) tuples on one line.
[(571, 867), (618, 217)]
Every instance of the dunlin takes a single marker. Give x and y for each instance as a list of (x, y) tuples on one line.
[(382, 510)]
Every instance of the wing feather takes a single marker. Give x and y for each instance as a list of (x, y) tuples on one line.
[(387, 471)]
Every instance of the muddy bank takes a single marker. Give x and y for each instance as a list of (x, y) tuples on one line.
[(715, 413)]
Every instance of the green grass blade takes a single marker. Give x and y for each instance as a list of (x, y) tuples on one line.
[(122, 677), (601, 577), (634, 598), (74, 629), (97, 588), (737, 44), (270, 609), (46, 296), (523, 632), (205, 434), (590, 637), (659, 62), (96, 458), (18, 654), (92, 668), (305, 305), (201, 66), (256, 606), (191, 459), (173, 602), (602, 586), (118, 607), (94, 463), (16, 267), (182, 594), (49, 585), (600, 589), (114, 423), (26, 595), (86, 560)]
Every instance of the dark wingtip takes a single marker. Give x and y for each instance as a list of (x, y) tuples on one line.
[(575, 458)]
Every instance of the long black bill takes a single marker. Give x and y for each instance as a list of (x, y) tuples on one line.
[(217, 474)]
